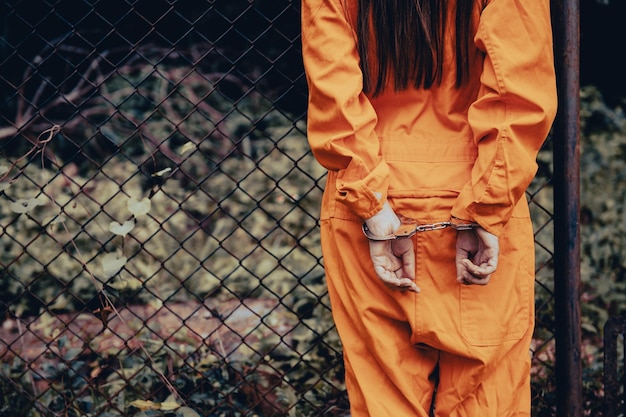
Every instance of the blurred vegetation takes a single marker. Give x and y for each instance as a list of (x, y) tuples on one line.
[(603, 252), (165, 189)]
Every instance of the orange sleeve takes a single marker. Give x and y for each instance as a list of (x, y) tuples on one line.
[(341, 119), (514, 111)]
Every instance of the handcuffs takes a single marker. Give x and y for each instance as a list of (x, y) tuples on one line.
[(409, 227)]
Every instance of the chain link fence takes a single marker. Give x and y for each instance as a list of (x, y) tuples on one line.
[(158, 216)]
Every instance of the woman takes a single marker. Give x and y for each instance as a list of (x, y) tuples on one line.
[(428, 115)]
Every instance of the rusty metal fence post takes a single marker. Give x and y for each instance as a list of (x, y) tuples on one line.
[(566, 210)]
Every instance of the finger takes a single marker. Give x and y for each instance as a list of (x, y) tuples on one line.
[(468, 279), (461, 269), (482, 270), (471, 274), (402, 284), (403, 249), (394, 280)]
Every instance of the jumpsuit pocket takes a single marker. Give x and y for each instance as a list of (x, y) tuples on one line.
[(501, 310)]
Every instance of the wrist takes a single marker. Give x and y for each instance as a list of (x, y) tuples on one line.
[(383, 223)]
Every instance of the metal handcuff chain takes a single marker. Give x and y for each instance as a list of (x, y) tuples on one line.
[(409, 227)]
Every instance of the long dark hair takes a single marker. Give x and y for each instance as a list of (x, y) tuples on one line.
[(407, 38)]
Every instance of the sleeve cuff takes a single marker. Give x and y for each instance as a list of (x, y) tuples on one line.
[(364, 193), (488, 217)]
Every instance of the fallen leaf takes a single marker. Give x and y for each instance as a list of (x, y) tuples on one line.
[(129, 283), (122, 229), (161, 172), (24, 205), (150, 405), (139, 208), (187, 412), (112, 264), (187, 147)]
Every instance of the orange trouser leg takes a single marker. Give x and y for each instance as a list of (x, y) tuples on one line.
[(483, 333), (479, 336), (500, 391), (386, 375)]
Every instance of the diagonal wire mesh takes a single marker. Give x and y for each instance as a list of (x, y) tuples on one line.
[(158, 215), (541, 202)]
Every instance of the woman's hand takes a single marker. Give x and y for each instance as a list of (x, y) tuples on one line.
[(477, 254), (394, 263), (394, 260)]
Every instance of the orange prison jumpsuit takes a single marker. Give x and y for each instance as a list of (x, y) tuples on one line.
[(470, 153)]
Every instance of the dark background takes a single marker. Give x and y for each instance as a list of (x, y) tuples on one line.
[(603, 32), (268, 30)]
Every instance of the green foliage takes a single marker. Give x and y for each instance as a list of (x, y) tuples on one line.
[(603, 251), (603, 190), (603, 233), (205, 202), (227, 191)]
